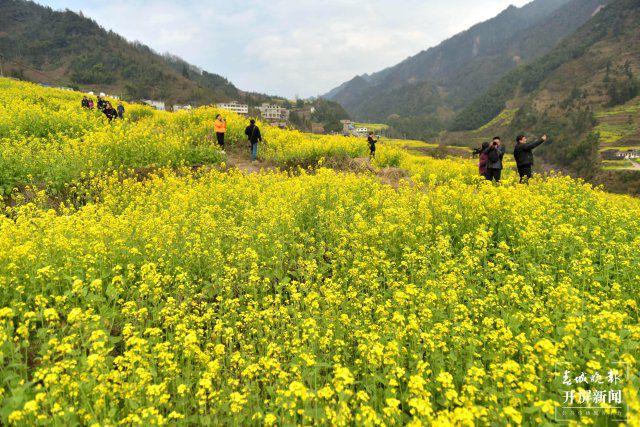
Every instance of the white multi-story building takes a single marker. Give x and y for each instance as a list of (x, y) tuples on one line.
[(273, 112), (158, 105), (234, 107), (182, 107)]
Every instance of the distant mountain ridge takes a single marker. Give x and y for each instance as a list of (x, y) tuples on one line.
[(434, 84), (585, 93), (583, 49), (62, 47)]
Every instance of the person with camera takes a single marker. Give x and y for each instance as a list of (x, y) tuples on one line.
[(495, 153), (220, 128), (524, 155)]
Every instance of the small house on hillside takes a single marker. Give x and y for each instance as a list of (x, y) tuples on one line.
[(274, 112), (182, 107), (158, 105)]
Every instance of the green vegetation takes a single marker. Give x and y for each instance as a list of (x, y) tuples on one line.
[(617, 165), (329, 113), (505, 118), (419, 96), (612, 133), (70, 50), (413, 292), (526, 79), (630, 108)]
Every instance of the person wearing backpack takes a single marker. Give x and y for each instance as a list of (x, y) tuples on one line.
[(253, 133), (495, 152), (483, 158), (523, 154)]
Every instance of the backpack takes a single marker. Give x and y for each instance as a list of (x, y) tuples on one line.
[(494, 156)]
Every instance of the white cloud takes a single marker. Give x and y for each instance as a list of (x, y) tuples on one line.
[(289, 47)]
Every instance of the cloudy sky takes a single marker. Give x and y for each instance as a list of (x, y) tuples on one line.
[(288, 47)]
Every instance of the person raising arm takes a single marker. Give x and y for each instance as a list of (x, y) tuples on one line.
[(523, 154)]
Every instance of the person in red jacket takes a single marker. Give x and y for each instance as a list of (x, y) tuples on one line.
[(484, 159)]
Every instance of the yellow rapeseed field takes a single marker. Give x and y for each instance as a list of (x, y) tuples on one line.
[(293, 298)]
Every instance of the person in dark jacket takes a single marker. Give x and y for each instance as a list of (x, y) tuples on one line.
[(120, 111), (101, 104), (483, 158), (253, 134), (372, 144), (524, 155), (109, 111), (495, 152), (85, 102)]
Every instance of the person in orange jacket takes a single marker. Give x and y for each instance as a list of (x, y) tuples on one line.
[(220, 127)]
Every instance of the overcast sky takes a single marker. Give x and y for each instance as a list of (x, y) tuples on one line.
[(288, 47)]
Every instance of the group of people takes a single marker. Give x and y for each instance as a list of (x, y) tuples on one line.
[(491, 156), (105, 107), (252, 132)]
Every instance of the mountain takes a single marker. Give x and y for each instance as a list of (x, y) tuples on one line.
[(430, 87), (606, 39), (65, 48), (585, 93)]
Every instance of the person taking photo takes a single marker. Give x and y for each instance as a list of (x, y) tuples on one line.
[(495, 153), (523, 154), (220, 128), (372, 144)]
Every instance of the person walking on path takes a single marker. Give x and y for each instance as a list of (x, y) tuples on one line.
[(253, 134), (220, 128), (120, 111), (372, 145), (495, 153), (102, 104), (524, 155)]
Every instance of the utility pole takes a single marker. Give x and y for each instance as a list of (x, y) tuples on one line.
[(1, 70)]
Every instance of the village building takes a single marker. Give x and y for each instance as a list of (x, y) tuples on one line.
[(235, 107), (182, 107), (274, 112), (158, 105)]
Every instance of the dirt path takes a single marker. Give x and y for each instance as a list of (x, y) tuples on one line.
[(241, 159), (635, 165)]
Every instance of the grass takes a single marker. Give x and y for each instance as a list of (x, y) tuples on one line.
[(633, 107), (504, 118), (612, 133)]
